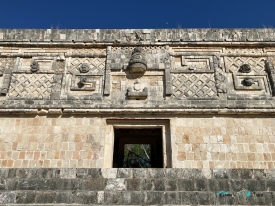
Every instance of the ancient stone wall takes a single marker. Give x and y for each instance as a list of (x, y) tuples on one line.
[(136, 187), (78, 141), (210, 91)]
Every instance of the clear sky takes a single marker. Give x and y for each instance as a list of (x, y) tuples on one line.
[(122, 14)]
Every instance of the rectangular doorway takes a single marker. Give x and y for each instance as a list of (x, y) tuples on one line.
[(138, 148)]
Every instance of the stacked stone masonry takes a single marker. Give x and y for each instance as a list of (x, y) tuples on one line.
[(137, 187), (63, 92)]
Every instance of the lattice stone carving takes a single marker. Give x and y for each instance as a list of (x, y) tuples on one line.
[(193, 85), (90, 50), (257, 64), (31, 85), (6, 63), (146, 48), (243, 51), (97, 65)]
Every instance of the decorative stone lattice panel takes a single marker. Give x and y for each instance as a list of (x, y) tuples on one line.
[(257, 64), (89, 50), (195, 49), (146, 48), (193, 85), (31, 85), (97, 65), (243, 51), (157, 57), (6, 63)]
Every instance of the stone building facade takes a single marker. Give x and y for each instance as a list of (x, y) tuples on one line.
[(67, 95)]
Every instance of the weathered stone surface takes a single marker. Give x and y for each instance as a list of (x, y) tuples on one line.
[(213, 88), (133, 191)]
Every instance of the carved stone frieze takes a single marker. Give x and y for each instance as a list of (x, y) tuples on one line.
[(87, 77), (94, 65), (189, 63), (234, 64), (36, 64), (6, 68), (137, 63), (83, 83), (221, 81), (193, 85), (244, 82), (270, 69), (243, 51), (57, 79), (156, 58), (31, 86), (249, 77)]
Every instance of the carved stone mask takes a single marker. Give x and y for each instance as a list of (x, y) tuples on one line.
[(248, 81), (137, 63), (34, 66), (245, 68), (84, 68)]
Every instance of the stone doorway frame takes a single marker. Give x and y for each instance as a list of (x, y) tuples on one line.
[(112, 124)]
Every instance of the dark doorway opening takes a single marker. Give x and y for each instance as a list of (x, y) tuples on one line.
[(138, 148)]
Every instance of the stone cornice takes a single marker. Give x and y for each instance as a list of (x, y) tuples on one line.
[(135, 36), (169, 112)]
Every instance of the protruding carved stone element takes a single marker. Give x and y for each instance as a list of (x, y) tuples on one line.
[(6, 82), (137, 63), (137, 93), (82, 82), (245, 68), (248, 81), (84, 68), (219, 76), (34, 66), (270, 69)]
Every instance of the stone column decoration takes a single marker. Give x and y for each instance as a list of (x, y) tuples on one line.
[(270, 69), (6, 81), (220, 77), (107, 80), (57, 79), (168, 89)]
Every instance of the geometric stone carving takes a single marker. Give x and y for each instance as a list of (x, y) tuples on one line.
[(31, 85), (6, 67), (270, 69), (243, 82), (137, 63), (6, 81), (219, 76), (193, 85), (94, 65), (83, 83), (234, 64), (57, 79), (194, 63)]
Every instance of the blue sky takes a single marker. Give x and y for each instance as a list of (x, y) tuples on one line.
[(122, 14)]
